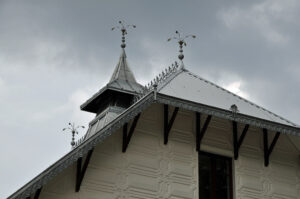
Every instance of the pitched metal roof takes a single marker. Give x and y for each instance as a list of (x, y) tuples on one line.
[(188, 86)]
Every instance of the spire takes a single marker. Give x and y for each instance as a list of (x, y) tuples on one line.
[(117, 95), (122, 70), (121, 88), (181, 42)]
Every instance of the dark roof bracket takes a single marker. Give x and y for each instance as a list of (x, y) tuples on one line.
[(268, 150), (81, 170), (201, 132), (127, 137), (237, 142), (168, 124), (37, 194)]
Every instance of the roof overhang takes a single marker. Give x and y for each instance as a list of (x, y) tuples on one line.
[(227, 114), (90, 103), (126, 116)]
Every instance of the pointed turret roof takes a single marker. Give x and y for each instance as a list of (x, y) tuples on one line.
[(122, 80), (122, 70)]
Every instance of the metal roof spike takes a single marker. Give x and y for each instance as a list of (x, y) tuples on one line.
[(181, 41), (74, 130), (123, 27)]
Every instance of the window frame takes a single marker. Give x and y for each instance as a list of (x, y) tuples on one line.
[(211, 156)]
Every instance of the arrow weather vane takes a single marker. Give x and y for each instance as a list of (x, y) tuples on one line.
[(181, 42), (123, 27), (73, 130)]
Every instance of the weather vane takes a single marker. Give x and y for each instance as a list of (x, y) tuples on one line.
[(123, 27), (181, 42), (73, 130)]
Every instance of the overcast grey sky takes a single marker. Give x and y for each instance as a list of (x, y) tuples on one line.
[(55, 54)]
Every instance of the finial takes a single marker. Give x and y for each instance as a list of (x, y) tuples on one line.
[(155, 90), (73, 130), (181, 42), (123, 29), (234, 110)]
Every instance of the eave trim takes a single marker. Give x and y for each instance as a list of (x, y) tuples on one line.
[(227, 114)]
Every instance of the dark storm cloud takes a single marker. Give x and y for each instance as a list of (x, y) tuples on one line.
[(55, 54)]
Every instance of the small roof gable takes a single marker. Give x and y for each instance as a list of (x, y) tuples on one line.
[(188, 86)]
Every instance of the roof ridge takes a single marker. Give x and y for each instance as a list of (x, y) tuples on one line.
[(251, 103), (171, 77), (161, 80)]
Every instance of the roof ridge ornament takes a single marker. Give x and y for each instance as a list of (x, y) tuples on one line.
[(123, 27), (181, 41), (158, 80), (74, 130), (234, 109)]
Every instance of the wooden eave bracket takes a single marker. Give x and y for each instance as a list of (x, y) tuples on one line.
[(37, 194), (201, 132), (268, 150), (168, 124), (127, 136), (82, 169), (237, 142)]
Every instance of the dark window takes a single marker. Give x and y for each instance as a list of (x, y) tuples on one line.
[(215, 176)]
